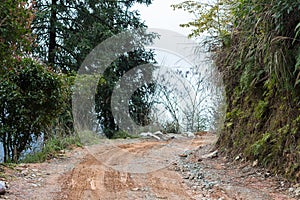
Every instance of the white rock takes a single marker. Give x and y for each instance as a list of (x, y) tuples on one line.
[(189, 134), (25, 172), (145, 134), (158, 133), (237, 158), (297, 192), (135, 189), (2, 187), (148, 134), (211, 155), (34, 185), (255, 163)]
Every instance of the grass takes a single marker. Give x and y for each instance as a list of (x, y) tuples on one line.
[(9, 165), (52, 148), (88, 137), (123, 135)]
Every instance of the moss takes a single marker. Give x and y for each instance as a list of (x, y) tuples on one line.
[(264, 127), (263, 112), (292, 170), (260, 146), (260, 109), (229, 124)]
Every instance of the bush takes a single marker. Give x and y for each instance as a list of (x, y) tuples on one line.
[(31, 98)]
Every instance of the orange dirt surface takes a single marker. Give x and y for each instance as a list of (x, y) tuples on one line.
[(133, 169)]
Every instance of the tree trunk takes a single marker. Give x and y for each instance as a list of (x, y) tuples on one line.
[(15, 154), (5, 149), (52, 34)]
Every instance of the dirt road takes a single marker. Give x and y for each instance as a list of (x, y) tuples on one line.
[(178, 168)]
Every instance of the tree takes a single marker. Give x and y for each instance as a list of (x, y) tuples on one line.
[(139, 105), (67, 31), (15, 31), (30, 100), (212, 19), (30, 93), (189, 97)]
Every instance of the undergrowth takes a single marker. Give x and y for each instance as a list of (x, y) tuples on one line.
[(123, 135), (52, 148), (255, 46)]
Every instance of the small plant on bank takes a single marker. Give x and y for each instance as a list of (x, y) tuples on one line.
[(52, 148), (123, 135)]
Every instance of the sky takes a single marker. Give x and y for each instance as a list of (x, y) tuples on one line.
[(160, 15), (173, 49)]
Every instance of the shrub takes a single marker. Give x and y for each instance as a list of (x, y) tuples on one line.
[(31, 97)]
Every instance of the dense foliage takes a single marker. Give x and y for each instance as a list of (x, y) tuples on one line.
[(256, 46), (139, 105), (31, 94), (42, 45), (67, 31), (30, 99), (14, 19)]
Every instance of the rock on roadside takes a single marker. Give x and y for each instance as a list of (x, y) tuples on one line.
[(2, 187)]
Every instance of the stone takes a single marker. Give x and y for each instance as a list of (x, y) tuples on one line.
[(296, 185), (267, 174), (183, 155), (2, 187), (255, 163), (158, 133), (291, 190), (237, 158), (25, 172), (213, 154), (194, 187), (200, 175), (148, 134), (189, 134), (192, 176), (297, 192), (135, 189)]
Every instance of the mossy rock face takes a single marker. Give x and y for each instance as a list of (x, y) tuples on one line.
[(260, 67), (264, 126)]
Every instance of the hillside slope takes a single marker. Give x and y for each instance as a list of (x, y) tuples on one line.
[(260, 62)]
